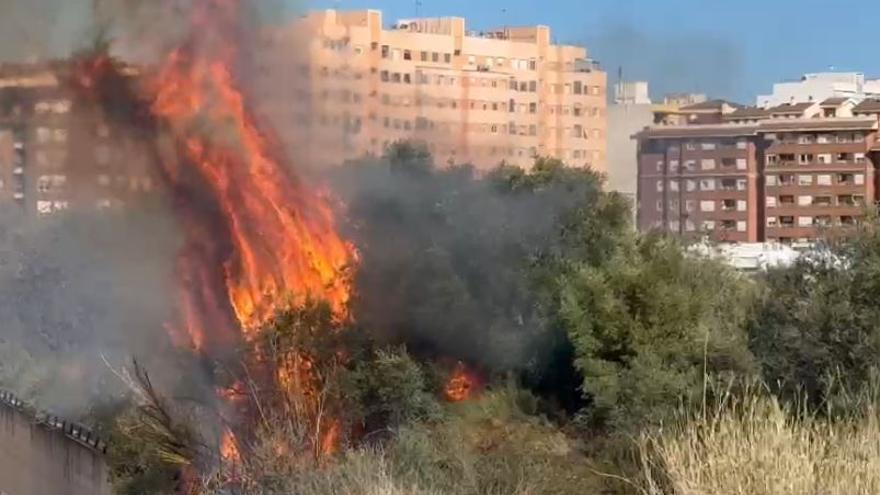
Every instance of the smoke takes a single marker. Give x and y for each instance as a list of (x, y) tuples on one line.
[(447, 257), (78, 288), (682, 62), (41, 29)]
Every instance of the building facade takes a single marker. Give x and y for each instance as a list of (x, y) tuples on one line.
[(819, 87), (790, 173), (350, 87), (57, 151), (700, 179)]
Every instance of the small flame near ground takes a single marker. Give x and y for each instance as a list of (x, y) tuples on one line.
[(462, 384)]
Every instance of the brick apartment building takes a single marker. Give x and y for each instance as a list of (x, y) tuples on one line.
[(57, 152), (790, 173), (349, 87)]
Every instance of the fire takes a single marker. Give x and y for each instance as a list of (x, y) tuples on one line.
[(281, 243), (461, 385), (257, 238), (229, 448), (330, 440)]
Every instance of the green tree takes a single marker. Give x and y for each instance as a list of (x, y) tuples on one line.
[(818, 324), (389, 390), (650, 326), (452, 262)]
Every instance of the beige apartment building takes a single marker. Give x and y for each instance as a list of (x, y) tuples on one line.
[(339, 85), (60, 151)]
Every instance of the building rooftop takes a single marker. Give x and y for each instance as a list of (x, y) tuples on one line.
[(747, 113), (789, 108), (716, 104), (867, 106), (770, 125), (834, 102), (829, 124), (708, 130)]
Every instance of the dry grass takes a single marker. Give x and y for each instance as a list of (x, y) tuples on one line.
[(756, 447), (487, 446)]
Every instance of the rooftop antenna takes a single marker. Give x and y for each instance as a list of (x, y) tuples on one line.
[(418, 4)]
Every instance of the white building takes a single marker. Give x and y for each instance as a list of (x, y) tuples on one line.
[(750, 256), (819, 87), (631, 93)]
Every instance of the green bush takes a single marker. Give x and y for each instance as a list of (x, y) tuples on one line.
[(818, 324), (650, 326)]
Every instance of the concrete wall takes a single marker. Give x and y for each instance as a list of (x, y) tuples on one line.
[(623, 122), (36, 459)]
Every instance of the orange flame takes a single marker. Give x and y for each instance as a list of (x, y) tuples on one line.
[(461, 385), (257, 237), (282, 239), (229, 448)]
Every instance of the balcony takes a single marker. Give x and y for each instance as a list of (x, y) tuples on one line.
[(822, 201), (586, 65), (786, 200)]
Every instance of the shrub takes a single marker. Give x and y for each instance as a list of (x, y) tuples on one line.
[(650, 326)]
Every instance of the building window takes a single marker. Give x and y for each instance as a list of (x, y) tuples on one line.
[(435, 57), (805, 221), (707, 184), (386, 50), (673, 185), (805, 180), (424, 56), (741, 164), (659, 186), (707, 206), (707, 164), (690, 205), (823, 180), (741, 184), (708, 146), (741, 225), (407, 55), (771, 201), (690, 185), (708, 225)]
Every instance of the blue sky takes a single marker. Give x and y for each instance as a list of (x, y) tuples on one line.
[(727, 48)]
